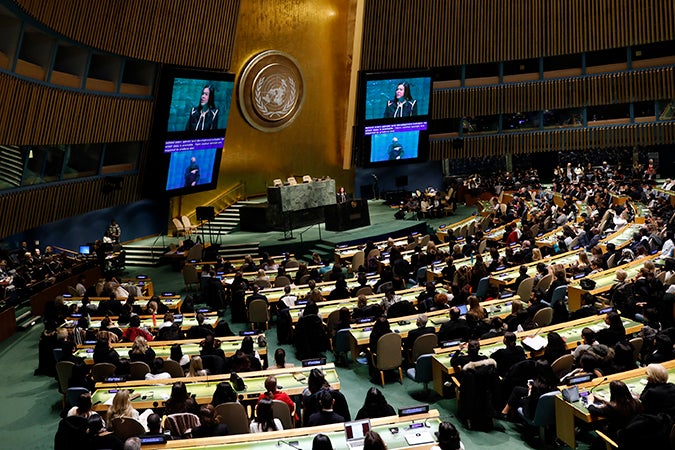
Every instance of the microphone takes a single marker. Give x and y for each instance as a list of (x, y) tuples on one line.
[(290, 444), (597, 384)]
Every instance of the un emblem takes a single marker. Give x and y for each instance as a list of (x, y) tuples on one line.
[(271, 91)]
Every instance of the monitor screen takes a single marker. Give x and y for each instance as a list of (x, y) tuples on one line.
[(85, 250), (199, 102), (402, 95), (394, 142), (193, 163)]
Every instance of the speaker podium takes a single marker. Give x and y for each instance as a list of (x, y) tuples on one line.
[(345, 216)]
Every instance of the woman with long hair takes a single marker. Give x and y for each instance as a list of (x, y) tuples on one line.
[(141, 351), (619, 410), (375, 405), (264, 418), (224, 393), (197, 367), (121, 406), (448, 438), (180, 400), (205, 115), (210, 423)]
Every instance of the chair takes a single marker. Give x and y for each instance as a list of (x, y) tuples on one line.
[(544, 283), (258, 312), (482, 246), (476, 389), (73, 394), (263, 284), (292, 181), (544, 415), (126, 427), (189, 228), (331, 320), (181, 424), (636, 343), (574, 243), (609, 443), (174, 369), (277, 182), (341, 345), (233, 414), (195, 253), (611, 261), (72, 291), (292, 264), (525, 289), (101, 371), (281, 411), (421, 276), (423, 345), (58, 354), (374, 253), (559, 294), (306, 179), (483, 285), (424, 240), (282, 281), (365, 290), (358, 260), (190, 276), (421, 372), (388, 355), (138, 369), (180, 228), (384, 287), (563, 365), (304, 279), (543, 317)]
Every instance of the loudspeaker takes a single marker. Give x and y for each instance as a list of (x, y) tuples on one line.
[(205, 212), (400, 214)]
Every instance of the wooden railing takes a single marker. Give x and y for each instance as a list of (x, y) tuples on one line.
[(224, 200)]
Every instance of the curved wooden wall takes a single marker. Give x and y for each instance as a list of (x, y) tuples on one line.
[(49, 115), (556, 140), (605, 89), (30, 208), (197, 33), (436, 33)]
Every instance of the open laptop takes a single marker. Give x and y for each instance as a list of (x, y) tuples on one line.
[(355, 432)]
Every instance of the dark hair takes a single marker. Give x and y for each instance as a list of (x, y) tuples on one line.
[(224, 393), (84, 403), (154, 423), (157, 366), (316, 380), (373, 441), (176, 352), (322, 442), (325, 398), (448, 436), (406, 91), (375, 404), (212, 97), (207, 416), (280, 357), (247, 345), (95, 423), (135, 321), (622, 399), (264, 415), (510, 338), (473, 348)]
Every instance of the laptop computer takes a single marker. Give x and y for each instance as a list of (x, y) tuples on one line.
[(355, 432)]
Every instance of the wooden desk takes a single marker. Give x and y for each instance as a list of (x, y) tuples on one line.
[(274, 440), (508, 277), (566, 413), (146, 322), (621, 237), (154, 393), (569, 331), (173, 302), (162, 349), (144, 284)]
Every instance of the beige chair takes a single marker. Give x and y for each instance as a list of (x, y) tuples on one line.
[(180, 228), (374, 253), (292, 181), (195, 253), (64, 370), (365, 290), (292, 264), (138, 369), (304, 279), (423, 345), (262, 284), (72, 291), (358, 260), (126, 427), (233, 414), (525, 289), (611, 261), (388, 355), (563, 365), (259, 312), (101, 371), (333, 318), (277, 182), (306, 179), (282, 281), (543, 317), (190, 276), (281, 411), (424, 240), (181, 424), (636, 343), (174, 369), (482, 246), (189, 228), (544, 283)]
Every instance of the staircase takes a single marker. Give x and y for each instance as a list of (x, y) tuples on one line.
[(226, 221), (325, 249), (11, 166), (150, 256)]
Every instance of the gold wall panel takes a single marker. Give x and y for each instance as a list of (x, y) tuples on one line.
[(198, 33), (315, 33), (57, 116)]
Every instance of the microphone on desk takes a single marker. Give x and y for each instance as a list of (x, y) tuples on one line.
[(279, 442), (597, 384)]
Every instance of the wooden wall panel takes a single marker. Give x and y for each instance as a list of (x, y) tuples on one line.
[(606, 89), (32, 207), (57, 116), (198, 33), (435, 33), (556, 140)]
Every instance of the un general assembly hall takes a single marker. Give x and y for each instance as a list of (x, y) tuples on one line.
[(357, 224)]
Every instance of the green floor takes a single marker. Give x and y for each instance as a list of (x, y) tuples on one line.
[(29, 416)]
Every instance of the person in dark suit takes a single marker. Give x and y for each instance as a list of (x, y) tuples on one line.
[(658, 395), (201, 330), (521, 277), (255, 296), (326, 416), (509, 355), (472, 349), (421, 329), (456, 329)]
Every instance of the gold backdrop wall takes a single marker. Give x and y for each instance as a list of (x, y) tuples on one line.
[(317, 34)]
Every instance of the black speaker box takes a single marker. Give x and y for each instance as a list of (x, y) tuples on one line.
[(205, 212), (400, 214)]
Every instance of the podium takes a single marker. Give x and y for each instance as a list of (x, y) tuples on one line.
[(346, 216)]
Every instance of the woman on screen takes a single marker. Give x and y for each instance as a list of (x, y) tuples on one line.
[(402, 105), (205, 116)]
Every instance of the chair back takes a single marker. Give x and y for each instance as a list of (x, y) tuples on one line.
[(389, 352), (174, 368), (424, 240), (138, 369), (423, 372), (292, 264), (282, 281), (72, 291), (358, 260), (611, 261), (525, 289), (384, 287), (559, 294), (374, 253), (126, 427), (73, 394), (292, 181), (544, 284), (563, 365), (281, 411), (304, 279), (180, 229), (482, 246), (262, 284), (365, 290), (636, 343), (58, 354), (181, 424), (341, 342), (543, 317), (333, 318), (195, 252), (190, 274), (101, 371), (421, 276), (277, 182), (483, 285), (544, 415), (306, 179), (258, 311), (187, 224), (234, 416), (423, 345)]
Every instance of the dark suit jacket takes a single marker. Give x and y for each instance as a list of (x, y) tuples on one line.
[(324, 418), (454, 330), (414, 334), (506, 357)]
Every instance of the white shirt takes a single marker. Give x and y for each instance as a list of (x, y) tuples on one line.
[(257, 428)]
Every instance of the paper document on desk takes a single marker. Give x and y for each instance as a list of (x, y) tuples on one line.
[(423, 437), (536, 343)]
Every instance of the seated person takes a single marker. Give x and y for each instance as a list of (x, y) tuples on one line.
[(455, 329), (375, 405), (509, 355), (658, 395), (201, 330), (274, 393), (472, 354), (326, 415), (158, 372), (421, 329), (210, 424), (264, 418)]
